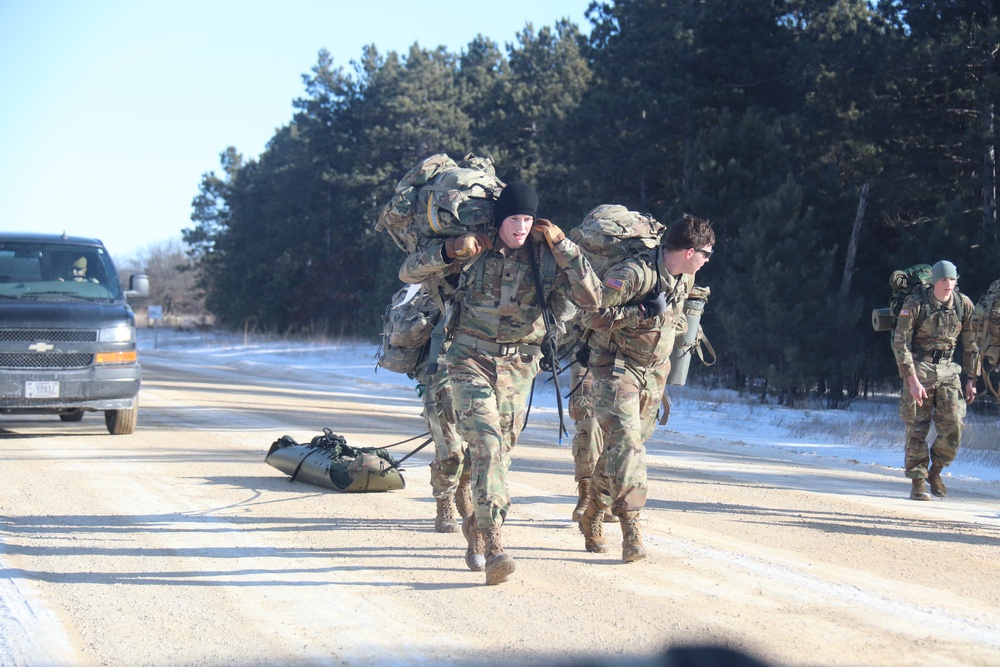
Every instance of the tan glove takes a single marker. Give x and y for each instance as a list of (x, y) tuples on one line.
[(467, 246), (544, 229)]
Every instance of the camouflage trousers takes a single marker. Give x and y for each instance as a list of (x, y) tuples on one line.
[(626, 406), (945, 406), (450, 452), (588, 440), (490, 395)]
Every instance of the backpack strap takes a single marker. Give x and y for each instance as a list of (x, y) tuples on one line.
[(550, 351), (548, 270), (925, 304), (960, 305), (434, 346)]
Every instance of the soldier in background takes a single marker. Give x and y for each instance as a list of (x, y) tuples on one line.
[(633, 336), (498, 332), (927, 331)]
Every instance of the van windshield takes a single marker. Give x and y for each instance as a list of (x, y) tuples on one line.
[(52, 270)]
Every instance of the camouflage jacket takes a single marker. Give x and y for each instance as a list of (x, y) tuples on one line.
[(496, 297), (618, 327), (922, 329)]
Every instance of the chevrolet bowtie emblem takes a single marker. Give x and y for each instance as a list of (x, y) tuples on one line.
[(41, 347)]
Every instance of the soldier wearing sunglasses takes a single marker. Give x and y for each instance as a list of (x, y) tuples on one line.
[(633, 336)]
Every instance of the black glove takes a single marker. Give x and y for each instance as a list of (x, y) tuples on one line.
[(583, 355), (654, 306)]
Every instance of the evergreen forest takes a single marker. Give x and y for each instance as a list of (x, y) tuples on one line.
[(830, 142)]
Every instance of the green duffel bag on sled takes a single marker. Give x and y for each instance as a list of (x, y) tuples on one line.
[(328, 461)]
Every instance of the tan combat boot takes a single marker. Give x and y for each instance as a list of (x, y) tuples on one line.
[(582, 489), (919, 490), (609, 517), (593, 530), (632, 548), (463, 499), (934, 479), (444, 522), (498, 564), (474, 557)]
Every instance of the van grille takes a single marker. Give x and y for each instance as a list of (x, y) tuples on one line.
[(55, 335), (72, 360)]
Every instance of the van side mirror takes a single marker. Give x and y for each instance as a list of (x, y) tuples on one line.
[(138, 285)]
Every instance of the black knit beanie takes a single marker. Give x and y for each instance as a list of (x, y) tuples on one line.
[(518, 198)]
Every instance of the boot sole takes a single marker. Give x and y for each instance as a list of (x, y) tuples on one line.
[(498, 572), (446, 528), (634, 556), (922, 496)]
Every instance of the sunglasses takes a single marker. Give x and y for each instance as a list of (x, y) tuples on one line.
[(707, 253)]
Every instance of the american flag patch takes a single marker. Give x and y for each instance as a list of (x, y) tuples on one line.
[(615, 284), (905, 311)]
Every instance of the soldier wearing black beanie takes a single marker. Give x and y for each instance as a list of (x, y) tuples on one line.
[(498, 330)]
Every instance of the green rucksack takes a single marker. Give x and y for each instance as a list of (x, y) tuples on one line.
[(986, 327), (902, 284), (407, 326), (611, 233), (440, 197)]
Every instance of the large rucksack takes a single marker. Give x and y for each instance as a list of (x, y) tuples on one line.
[(986, 326), (611, 233), (902, 284), (407, 326), (440, 197)]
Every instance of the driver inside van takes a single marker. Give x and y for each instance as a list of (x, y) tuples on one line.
[(77, 271)]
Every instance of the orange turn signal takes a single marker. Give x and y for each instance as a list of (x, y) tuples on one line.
[(128, 357)]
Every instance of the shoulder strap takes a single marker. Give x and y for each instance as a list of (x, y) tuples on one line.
[(925, 303), (960, 307), (548, 270)]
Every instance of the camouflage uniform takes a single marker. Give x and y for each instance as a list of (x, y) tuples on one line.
[(449, 449), (588, 440), (449, 469), (494, 355), (630, 360), (923, 342)]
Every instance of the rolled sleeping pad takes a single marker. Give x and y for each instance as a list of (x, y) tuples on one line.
[(318, 465), (882, 319), (680, 358)]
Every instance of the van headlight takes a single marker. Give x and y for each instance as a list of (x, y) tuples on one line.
[(120, 334)]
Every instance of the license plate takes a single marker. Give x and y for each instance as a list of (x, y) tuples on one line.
[(41, 390)]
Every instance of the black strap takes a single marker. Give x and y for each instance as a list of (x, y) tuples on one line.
[(435, 345), (400, 461), (549, 340), (407, 440), (299, 466)]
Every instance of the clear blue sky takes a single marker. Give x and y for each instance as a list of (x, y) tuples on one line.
[(111, 110)]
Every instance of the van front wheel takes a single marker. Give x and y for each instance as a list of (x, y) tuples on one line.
[(122, 422)]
